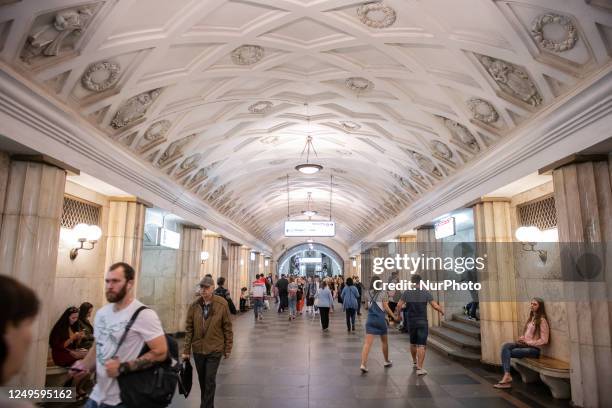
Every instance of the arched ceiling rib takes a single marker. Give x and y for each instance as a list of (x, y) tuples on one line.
[(220, 95)]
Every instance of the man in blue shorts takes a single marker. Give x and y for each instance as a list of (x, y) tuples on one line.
[(416, 301)]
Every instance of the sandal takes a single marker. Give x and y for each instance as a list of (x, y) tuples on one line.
[(503, 385)]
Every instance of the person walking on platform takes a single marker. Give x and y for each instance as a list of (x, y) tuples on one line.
[(259, 289), (349, 296), (109, 360), (325, 302), (282, 284), (376, 325), (208, 333), (292, 290), (416, 301), (359, 287)]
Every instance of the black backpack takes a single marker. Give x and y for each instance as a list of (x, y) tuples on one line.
[(155, 386)]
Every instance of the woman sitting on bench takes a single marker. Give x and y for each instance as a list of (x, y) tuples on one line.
[(536, 334)]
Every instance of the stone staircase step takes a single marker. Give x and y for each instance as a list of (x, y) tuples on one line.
[(458, 339), (464, 319), (463, 328), (451, 350)]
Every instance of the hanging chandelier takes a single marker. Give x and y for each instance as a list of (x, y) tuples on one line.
[(308, 168), (309, 212)]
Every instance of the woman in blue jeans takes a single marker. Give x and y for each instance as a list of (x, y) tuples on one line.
[(350, 296), (536, 334)]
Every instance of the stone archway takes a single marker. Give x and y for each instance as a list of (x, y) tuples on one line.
[(290, 252)]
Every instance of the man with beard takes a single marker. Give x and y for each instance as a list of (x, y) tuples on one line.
[(109, 326)]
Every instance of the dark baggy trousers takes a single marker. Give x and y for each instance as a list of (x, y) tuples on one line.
[(206, 366), (350, 318), (324, 311)]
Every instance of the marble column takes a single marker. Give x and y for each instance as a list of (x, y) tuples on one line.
[(406, 244), (29, 241), (245, 260), (498, 312), (425, 244), (583, 198), (126, 221), (213, 244), (233, 272), (187, 275)]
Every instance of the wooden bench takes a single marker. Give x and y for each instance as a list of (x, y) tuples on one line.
[(554, 373)]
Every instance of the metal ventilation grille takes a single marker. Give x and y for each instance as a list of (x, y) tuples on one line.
[(541, 213), (76, 212)]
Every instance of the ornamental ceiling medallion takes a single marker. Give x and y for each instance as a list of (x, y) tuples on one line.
[(561, 45), (426, 164), (512, 80), (441, 149), (100, 76), (376, 15), (359, 84), (247, 54), (261, 107), (134, 108), (482, 110), (350, 126), (462, 134), (157, 130), (174, 150)]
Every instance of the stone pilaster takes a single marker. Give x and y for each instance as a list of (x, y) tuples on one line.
[(425, 244), (126, 233), (498, 314), (583, 198), (244, 262), (213, 244), (29, 240), (233, 272), (187, 275)]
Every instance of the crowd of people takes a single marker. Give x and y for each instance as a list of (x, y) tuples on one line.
[(127, 338)]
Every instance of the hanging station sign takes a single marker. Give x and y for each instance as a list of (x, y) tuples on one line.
[(310, 228), (445, 228)]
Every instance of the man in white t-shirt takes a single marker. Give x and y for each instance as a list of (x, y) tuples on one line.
[(109, 326)]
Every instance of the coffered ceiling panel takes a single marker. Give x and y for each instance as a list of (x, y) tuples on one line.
[(220, 96)]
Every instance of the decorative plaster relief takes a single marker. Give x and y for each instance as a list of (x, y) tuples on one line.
[(359, 84), (191, 161), (134, 108), (174, 150), (512, 80), (441, 149), (350, 126), (58, 33), (376, 15), (343, 152), (337, 170), (571, 34), (426, 164), (261, 107), (100, 76), (269, 139), (482, 110), (247, 54), (157, 130), (463, 135)]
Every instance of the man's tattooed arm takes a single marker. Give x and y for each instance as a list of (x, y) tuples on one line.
[(157, 353)]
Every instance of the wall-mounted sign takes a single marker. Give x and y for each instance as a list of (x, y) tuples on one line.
[(310, 228), (170, 239), (310, 260), (445, 228)]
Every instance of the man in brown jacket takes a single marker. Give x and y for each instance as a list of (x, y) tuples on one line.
[(209, 334)]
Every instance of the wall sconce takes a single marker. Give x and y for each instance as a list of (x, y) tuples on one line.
[(267, 262), (354, 263), (241, 262), (83, 233), (529, 237), (204, 256)]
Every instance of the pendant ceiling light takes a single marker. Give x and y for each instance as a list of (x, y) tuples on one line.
[(308, 168), (309, 212)]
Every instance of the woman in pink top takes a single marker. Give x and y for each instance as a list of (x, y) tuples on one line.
[(536, 334)]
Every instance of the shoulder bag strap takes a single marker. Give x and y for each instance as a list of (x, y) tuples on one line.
[(128, 327)]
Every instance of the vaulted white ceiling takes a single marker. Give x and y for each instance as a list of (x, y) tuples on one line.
[(220, 95)]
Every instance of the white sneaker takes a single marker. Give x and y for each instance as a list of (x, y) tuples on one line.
[(363, 369), (388, 363), (421, 371)]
